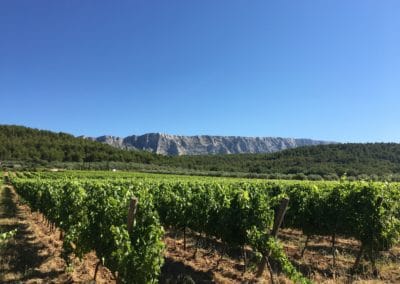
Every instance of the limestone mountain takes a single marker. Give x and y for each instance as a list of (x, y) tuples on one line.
[(173, 145)]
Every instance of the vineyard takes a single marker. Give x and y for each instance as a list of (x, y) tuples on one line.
[(124, 218)]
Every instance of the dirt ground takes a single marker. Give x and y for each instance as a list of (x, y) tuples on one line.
[(317, 262), (34, 256)]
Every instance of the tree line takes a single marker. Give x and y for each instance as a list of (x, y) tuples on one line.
[(18, 143), (359, 160)]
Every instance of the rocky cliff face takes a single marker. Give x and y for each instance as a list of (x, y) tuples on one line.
[(166, 144)]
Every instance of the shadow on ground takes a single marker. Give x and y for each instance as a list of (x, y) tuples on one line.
[(179, 273), (21, 259)]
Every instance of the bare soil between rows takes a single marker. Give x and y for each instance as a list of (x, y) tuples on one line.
[(214, 264), (34, 256)]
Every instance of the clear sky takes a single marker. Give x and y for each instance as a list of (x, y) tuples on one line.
[(306, 69)]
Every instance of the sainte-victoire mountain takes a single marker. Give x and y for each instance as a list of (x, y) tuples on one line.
[(166, 144)]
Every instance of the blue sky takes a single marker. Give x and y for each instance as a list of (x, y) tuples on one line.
[(314, 69)]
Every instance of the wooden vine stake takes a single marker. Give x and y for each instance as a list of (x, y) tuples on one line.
[(131, 213), (371, 252), (279, 217), (96, 270), (305, 246), (184, 238), (274, 233), (133, 203)]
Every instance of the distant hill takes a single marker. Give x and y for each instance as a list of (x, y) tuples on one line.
[(21, 143), (173, 145), (353, 159), (39, 147)]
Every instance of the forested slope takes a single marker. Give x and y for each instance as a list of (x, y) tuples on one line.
[(38, 147)]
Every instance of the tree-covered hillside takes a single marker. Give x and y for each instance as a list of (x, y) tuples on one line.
[(18, 143), (352, 159), (38, 147)]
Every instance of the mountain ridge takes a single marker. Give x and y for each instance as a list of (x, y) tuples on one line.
[(34, 148), (177, 145)]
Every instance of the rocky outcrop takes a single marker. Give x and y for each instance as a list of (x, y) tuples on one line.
[(166, 144)]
